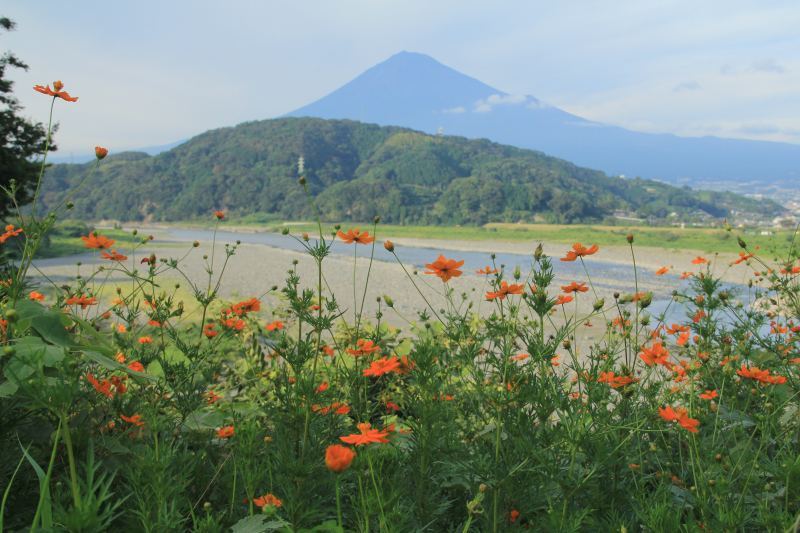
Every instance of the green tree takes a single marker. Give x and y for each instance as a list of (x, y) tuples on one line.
[(22, 140)]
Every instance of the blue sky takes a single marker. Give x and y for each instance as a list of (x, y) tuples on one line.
[(151, 72)]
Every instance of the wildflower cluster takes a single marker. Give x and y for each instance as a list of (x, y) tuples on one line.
[(289, 410)]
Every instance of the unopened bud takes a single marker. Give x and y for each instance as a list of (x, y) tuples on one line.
[(389, 245), (629, 238), (388, 300)]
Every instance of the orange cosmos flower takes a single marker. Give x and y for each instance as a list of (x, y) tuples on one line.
[(708, 395), (136, 366), (252, 305), (699, 260), (505, 290), (56, 91), (519, 357), (445, 268), (36, 296), (103, 387), (579, 250), (100, 152), (656, 354), (364, 347), (563, 299), (83, 301), (356, 236), (367, 435), (113, 256), (225, 432), (135, 419), (327, 350), (574, 287), (219, 215), (742, 258), (209, 331), (234, 323), (487, 270), (10, 232), (762, 376), (268, 499), (212, 397), (338, 458), (681, 416), (93, 240), (145, 340), (382, 366), (277, 325), (661, 271), (614, 381)]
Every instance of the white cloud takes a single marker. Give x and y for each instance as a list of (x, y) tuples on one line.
[(455, 110), (768, 65), (486, 105), (691, 85)]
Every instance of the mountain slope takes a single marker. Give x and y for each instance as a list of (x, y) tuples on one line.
[(415, 91), (356, 171)]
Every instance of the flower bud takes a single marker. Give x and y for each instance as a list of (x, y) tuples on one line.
[(302, 181), (741, 242), (537, 254), (100, 152), (389, 245), (388, 300), (599, 304), (629, 238)]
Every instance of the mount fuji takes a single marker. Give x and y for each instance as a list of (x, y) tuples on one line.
[(416, 91)]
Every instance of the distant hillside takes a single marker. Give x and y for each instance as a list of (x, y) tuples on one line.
[(356, 171), (416, 91)]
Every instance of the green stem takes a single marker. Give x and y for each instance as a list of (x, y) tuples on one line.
[(377, 492), (338, 505), (46, 482), (73, 471)]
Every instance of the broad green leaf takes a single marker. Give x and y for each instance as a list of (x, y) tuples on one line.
[(33, 349), (203, 420), (257, 524), (52, 327), (7, 389), (44, 491)]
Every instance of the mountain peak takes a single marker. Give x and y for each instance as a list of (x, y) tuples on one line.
[(405, 83), (416, 91)]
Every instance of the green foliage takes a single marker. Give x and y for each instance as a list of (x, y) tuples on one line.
[(357, 171)]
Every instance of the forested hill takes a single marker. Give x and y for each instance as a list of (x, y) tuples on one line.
[(356, 171)]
